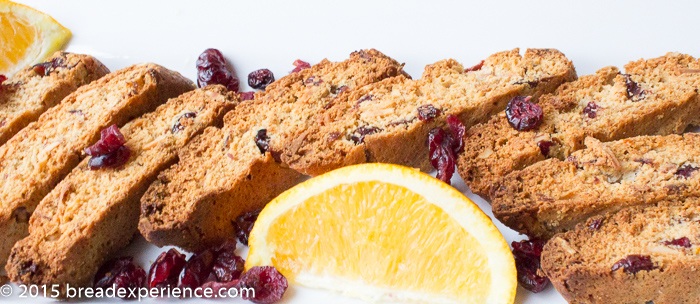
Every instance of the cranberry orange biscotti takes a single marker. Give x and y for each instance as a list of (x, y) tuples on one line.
[(390, 120), (33, 90), (93, 213), (231, 170), (40, 155), (656, 97), (638, 255), (554, 196)]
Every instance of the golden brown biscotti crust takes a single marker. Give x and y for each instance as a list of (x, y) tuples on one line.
[(28, 93), (598, 106), (93, 213), (580, 262), (553, 196), (224, 172), (40, 155), (380, 122)]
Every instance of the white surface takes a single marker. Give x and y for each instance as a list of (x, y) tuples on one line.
[(272, 34)]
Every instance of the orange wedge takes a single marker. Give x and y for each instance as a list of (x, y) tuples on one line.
[(385, 233)]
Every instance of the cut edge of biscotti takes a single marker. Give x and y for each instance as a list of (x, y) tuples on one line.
[(43, 153), (234, 169), (554, 196), (389, 121), (35, 89), (639, 255), (657, 97), (59, 250)]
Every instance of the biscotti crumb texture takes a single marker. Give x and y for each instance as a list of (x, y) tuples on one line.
[(40, 155), (227, 171), (381, 122), (31, 92), (657, 97), (586, 265), (93, 213), (554, 196)]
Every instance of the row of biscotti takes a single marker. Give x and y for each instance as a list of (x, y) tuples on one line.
[(328, 116)]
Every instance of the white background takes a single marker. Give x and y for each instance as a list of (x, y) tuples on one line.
[(272, 34)]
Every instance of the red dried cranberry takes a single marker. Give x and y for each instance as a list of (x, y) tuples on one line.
[(523, 114), (313, 80), (211, 69), (178, 126), (591, 109), (247, 96), (197, 270), (358, 136), (682, 242), (595, 224), (361, 100), (263, 143), (458, 130), (686, 171), (475, 68), (300, 65), (338, 90), (244, 224), (634, 263), (442, 155), (110, 160), (46, 68), (268, 283), (121, 273), (527, 255), (427, 112), (110, 139), (227, 265), (545, 146), (165, 271), (2, 79), (633, 88), (260, 79), (218, 288)]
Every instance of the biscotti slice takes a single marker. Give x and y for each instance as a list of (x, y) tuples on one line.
[(553, 196), (657, 97), (390, 120), (93, 213), (40, 155), (639, 255), (33, 90), (231, 170)]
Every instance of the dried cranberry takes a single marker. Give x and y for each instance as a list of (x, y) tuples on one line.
[(475, 68), (595, 224), (247, 96), (110, 140), (545, 146), (197, 270), (244, 224), (442, 155), (260, 79), (178, 126), (427, 112), (110, 160), (634, 263), (46, 68), (211, 69), (686, 171), (2, 78), (165, 271), (633, 88), (458, 131), (591, 109), (358, 136), (263, 143), (121, 273), (527, 255), (523, 114), (313, 80), (300, 65), (218, 288), (269, 285), (361, 100), (227, 265), (682, 242)]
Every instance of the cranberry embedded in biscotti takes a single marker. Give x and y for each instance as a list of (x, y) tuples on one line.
[(523, 114), (46, 68), (682, 242), (475, 67), (545, 146), (591, 110), (458, 131), (247, 96), (427, 112), (358, 136), (178, 126), (110, 139), (634, 91), (634, 263), (686, 171)]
